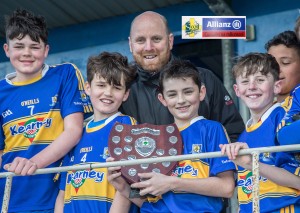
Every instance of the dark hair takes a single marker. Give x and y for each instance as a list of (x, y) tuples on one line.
[(287, 38), (22, 23), (110, 66), (178, 68), (252, 63)]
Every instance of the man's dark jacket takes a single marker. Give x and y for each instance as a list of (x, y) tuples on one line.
[(144, 106)]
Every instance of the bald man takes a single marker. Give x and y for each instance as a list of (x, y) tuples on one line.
[(150, 43)]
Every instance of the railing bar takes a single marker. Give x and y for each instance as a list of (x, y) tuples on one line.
[(255, 176), (6, 195), (158, 159)]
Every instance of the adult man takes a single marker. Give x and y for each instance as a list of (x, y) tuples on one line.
[(151, 43)]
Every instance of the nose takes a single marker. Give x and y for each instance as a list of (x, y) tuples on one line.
[(148, 45), (180, 99), (252, 85), (108, 91), (26, 51)]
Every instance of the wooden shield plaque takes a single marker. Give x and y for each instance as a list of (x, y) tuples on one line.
[(130, 142)]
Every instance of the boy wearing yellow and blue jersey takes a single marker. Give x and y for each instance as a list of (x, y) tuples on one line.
[(257, 84), (195, 185), (108, 80), (41, 113)]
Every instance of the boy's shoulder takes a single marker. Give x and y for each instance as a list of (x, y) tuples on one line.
[(200, 120), (64, 66)]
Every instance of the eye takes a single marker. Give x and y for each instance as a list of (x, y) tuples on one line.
[(188, 92), (260, 80), (18, 47), (157, 39), (140, 40), (118, 87), (100, 85), (171, 95), (244, 82)]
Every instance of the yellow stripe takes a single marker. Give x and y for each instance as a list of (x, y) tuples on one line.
[(79, 77)]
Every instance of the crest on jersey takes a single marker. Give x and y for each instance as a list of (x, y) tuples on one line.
[(196, 148)]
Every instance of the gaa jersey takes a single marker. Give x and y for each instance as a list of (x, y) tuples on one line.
[(293, 105), (199, 137), (273, 197), (89, 190), (31, 118), (289, 126)]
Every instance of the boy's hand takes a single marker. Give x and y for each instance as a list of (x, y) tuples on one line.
[(232, 151), (154, 183), (114, 177), (21, 166)]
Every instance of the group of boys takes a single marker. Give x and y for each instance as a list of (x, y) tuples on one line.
[(40, 126)]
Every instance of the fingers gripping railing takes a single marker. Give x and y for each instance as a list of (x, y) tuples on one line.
[(255, 172)]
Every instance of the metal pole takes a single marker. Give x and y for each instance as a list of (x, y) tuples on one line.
[(6, 196), (255, 179)]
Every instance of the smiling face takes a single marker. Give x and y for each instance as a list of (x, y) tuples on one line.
[(26, 56), (182, 97), (289, 62), (150, 42), (257, 91), (106, 98)]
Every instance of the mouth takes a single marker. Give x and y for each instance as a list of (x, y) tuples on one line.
[(253, 96), (27, 62), (149, 57), (182, 108), (106, 101)]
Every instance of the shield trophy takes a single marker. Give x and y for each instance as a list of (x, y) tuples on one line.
[(130, 142)]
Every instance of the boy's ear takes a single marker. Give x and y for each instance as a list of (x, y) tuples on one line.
[(47, 48), (126, 95), (161, 99), (202, 93), (6, 48), (236, 89), (87, 88), (277, 87)]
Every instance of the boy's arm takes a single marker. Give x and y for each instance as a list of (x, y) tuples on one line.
[(157, 184), (120, 204), (73, 125), (277, 175), (59, 203)]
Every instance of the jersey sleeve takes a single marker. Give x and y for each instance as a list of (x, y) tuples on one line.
[(221, 164), (219, 106), (73, 97)]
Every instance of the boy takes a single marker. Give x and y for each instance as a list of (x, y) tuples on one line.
[(41, 113), (257, 83), (197, 185), (108, 80), (285, 47)]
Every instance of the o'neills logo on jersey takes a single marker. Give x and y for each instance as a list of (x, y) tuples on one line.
[(30, 128), (246, 182), (77, 178), (184, 168)]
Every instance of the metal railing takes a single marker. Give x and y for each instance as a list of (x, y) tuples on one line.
[(255, 168)]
